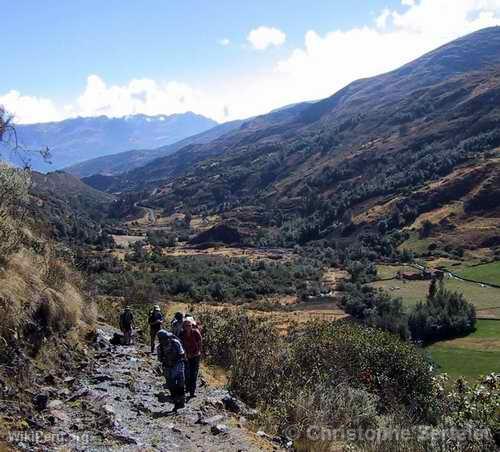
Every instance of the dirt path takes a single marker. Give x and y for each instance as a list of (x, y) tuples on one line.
[(150, 214), (122, 405)]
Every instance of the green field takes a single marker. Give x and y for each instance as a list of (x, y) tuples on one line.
[(483, 298), (471, 356), (488, 273), (390, 271), (415, 244)]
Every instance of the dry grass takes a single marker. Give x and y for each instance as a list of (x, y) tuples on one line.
[(227, 251), (40, 289), (436, 215), (127, 240)]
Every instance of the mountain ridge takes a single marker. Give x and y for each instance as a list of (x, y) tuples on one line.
[(77, 139), (373, 140), (123, 162)]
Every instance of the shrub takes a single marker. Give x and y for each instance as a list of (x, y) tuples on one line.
[(376, 308), (270, 369), (14, 185), (426, 229), (443, 315)]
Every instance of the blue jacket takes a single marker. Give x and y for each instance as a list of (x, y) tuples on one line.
[(170, 351)]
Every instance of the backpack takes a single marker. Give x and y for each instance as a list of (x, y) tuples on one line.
[(177, 327), (154, 316), (126, 319)]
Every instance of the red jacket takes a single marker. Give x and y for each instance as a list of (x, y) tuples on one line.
[(192, 343)]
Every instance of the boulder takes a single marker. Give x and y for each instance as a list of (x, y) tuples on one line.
[(117, 339), (101, 341), (41, 401), (213, 420), (219, 429), (231, 404), (101, 378)]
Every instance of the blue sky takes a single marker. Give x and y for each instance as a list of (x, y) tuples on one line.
[(68, 58)]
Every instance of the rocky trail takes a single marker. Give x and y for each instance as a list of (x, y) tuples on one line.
[(121, 404)]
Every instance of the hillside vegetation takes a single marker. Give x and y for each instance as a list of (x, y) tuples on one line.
[(312, 245), (44, 315), (378, 155)]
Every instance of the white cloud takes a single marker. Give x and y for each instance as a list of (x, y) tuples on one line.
[(381, 20), (328, 62), (144, 96), (29, 109), (263, 37), (224, 42), (318, 68)]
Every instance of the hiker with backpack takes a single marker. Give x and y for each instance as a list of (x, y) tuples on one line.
[(192, 342), (126, 325), (155, 323), (172, 356), (177, 323)]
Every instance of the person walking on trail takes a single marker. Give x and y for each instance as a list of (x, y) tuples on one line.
[(192, 343), (172, 357), (155, 323), (126, 325), (177, 323)]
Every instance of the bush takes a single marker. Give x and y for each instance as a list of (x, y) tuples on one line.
[(426, 229), (443, 315), (14, 185), (342, 376), (270, 369), (213, 278), (376, 308)]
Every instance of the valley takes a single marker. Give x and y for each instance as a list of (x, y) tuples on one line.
[(466, 357), (340, 259)]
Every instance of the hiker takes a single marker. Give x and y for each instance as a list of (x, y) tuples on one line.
[(176, 324), (126, 325), (155, 323), (172, 356), (191, 341)]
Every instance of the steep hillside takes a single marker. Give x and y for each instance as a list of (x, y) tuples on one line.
[(266, 128), (70, 209), (377, 141), (75, 140), (126, 161)]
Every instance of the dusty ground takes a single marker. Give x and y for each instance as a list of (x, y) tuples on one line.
[(252, 254), (122, 405), (127, 240)]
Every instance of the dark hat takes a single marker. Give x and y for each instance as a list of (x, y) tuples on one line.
[(178, 316)]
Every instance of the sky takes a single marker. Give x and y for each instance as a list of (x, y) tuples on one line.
[(224, 59)]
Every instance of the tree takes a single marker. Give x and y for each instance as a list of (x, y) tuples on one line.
[(14, 189), (187, 218), (447, 314), (217, 291), (432, 289), (426, 229), (8, 138)]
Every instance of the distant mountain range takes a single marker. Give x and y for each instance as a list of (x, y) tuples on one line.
[(114, 164), (75, 140)]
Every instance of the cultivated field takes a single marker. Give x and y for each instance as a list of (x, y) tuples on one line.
[(476, 354), (488, 273), (485, 299)]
